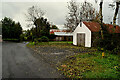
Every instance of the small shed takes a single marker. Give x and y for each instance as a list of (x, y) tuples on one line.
[(82, 33), (86, 31)]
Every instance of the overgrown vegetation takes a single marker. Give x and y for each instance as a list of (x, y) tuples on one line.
[(91, 65), (110, 42)]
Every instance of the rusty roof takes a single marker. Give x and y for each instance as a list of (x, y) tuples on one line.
[(111, 28), (95, 27)]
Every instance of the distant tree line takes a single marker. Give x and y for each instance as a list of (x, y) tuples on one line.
[(10, 29)]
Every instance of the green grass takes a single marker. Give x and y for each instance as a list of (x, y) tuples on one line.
[(52, 43), (85, 65), (91, 65), (59, 44)]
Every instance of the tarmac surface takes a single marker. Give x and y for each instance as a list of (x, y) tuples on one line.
[(18, 61)]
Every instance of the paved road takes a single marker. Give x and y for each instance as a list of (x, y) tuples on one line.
[(18, 62)]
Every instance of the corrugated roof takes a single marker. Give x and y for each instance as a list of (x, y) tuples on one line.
[(95, 27), (111, 27), (63, 34), (58, 32)]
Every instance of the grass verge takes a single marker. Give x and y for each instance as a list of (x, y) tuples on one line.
[(60, 44), (91, 65)]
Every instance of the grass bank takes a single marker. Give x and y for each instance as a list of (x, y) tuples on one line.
[(91, 65)]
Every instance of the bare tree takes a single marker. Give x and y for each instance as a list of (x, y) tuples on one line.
[(112, 5), (73, 15), (33, 14), (34, 17), (116, 12), (100, 17), (87, 12), (78, 13)]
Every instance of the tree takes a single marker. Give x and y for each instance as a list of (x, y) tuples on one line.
[(73, 15), (87, 12), (34, 13), (42, 27), (78, 13), (101, 19), (116, 12), (54, 27), (10, 29)]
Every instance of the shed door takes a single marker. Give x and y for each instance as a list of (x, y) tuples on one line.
[(81, 39)]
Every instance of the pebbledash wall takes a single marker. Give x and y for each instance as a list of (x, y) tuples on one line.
[(86, 31)]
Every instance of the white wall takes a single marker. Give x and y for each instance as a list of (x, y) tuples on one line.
[(85, 30)]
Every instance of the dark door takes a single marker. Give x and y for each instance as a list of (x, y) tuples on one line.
[(81, 39)]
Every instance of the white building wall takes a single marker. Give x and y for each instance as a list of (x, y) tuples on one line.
[(85, 30)]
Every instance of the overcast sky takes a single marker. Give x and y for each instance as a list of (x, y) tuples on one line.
[(55, 10)]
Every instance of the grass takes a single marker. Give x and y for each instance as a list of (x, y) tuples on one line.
[(91, 65), (59, 44), (51, 43), (85, 65)]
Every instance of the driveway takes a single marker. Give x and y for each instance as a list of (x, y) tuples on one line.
[(56, 54), (18, 61)]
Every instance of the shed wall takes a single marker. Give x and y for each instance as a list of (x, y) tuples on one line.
[(82, 29)]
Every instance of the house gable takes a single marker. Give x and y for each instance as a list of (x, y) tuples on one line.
[(82, 29)]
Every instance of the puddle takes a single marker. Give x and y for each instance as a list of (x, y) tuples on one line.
[(58, 53)]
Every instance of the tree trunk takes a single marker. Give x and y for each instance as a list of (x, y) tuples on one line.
[(101, 19), (116, 12)]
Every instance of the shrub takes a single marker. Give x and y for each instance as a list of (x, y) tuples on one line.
[(52, 36), (44, 39), (35, 41), (39, 40)]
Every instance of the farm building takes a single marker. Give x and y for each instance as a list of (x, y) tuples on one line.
[(62, 35), (86, 32)]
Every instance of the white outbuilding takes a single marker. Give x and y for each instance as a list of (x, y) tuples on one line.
[(82, 35)]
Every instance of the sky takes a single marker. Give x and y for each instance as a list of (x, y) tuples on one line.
[(55, 10)]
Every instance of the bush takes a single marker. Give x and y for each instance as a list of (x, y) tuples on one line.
[(35, 41), (39, 40), (44, 39), (52, 36)]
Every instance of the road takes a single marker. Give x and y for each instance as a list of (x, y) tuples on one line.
[(18, 62)]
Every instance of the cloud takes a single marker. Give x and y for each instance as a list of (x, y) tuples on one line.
[(55, 11)]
